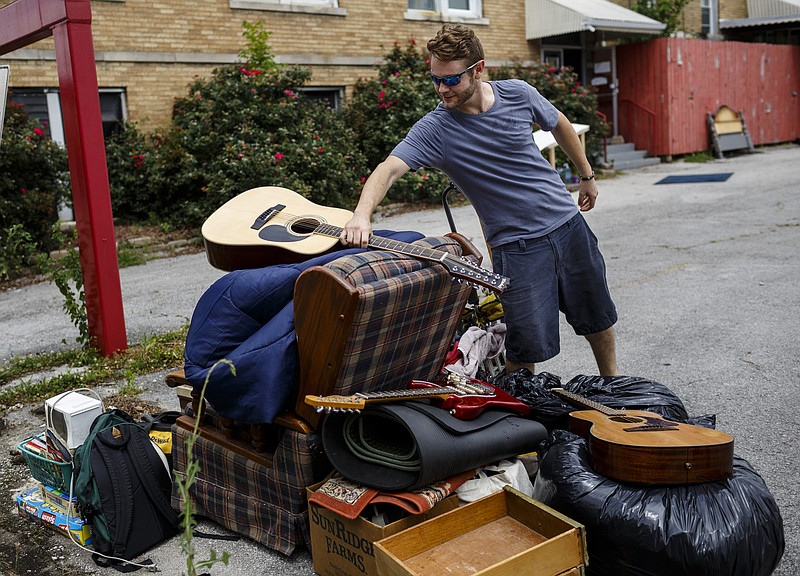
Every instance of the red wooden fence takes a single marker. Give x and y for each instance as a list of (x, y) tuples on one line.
[(672, 82)]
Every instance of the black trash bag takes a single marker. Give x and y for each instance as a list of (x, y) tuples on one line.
[(727, 528), (534, 390), (615, 392), (631, 392)]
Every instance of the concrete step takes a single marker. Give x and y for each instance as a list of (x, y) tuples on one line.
[(620, 148), (626, 157), (636, 163)]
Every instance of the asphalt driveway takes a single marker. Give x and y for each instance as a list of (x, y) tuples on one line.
[(705, 277)]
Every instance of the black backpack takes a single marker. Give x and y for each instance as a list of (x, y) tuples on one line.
[(123, 487)]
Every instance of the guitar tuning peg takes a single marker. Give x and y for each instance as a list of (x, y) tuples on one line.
[(320, 409)]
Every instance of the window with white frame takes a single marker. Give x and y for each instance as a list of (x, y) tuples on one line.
[(44, 104), (444, 10)]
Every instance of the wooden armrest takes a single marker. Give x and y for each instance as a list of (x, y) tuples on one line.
[(467, 247), (293, 422), (176, 378)]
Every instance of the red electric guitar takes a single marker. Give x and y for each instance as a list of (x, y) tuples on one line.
[(464, 397)]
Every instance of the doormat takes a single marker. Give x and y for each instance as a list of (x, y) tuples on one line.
[(691, 178)]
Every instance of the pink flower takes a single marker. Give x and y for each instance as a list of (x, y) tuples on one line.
[(289, 93), (363, 179), (381, 95), (38, 131), (279, 156), (240, 155), (319, 150), (22, 190)]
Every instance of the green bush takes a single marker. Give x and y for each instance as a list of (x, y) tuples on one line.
[(239, 129), (135, 174), (382, 110), (17, 250), (562, 88), (33, 178)]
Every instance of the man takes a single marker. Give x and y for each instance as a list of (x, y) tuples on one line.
[(481, 136)]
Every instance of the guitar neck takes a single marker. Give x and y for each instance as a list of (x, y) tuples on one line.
[(332, 231), (461, 268), (582, 402), (410, 394)]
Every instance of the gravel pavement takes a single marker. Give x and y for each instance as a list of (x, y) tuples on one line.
[(705, 277)]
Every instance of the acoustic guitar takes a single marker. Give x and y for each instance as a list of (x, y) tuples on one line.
[(272, 225), (465, 398), (643, 448)]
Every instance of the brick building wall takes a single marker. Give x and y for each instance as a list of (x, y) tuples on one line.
[(154, 48)]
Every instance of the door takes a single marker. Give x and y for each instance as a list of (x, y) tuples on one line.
[(603, 77)]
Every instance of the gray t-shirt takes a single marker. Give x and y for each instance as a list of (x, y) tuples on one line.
[(494, 161)]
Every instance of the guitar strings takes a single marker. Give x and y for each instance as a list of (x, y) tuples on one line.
[(303, 222)]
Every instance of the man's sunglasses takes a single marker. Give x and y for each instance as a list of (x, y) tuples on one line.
[(452, 79)]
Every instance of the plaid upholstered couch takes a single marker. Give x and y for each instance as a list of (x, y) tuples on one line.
[(364, 322)]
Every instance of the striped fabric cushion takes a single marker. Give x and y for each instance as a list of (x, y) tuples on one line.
[(393, 342), (265, 504)]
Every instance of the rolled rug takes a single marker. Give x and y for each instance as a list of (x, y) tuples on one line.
[(408, 445)]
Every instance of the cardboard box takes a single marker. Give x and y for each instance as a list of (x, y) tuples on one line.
[(31, 504), (501, 534), (58, 500), (344, 547)]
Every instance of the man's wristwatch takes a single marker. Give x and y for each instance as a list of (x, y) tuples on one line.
[(589, 177)]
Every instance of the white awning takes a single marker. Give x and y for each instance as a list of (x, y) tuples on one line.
[(765, 13), (554, 17)]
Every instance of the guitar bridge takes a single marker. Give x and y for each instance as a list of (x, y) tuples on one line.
[(650, 428), (266, 216)]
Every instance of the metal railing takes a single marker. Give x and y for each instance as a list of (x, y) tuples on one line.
[(638, 124)]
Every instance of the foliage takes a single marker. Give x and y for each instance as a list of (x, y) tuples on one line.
[(382, 110), (562, 88), (151, 354), (33, 177), (703, 156), (17, 248), (137, 175), (667, 12), (183, 486), (67, 275), (239, 129), (257, 53)]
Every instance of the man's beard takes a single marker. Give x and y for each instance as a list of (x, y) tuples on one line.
[(461, 96)]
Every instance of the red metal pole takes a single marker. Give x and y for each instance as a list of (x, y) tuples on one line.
[(69, 22), (83, 129)]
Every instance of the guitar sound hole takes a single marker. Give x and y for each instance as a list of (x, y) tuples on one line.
[(304, 225), (625, 419)]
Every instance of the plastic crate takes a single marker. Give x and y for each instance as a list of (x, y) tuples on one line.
[(48, 472)]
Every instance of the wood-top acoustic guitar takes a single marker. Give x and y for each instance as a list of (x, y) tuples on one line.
[(273, 225), (643, 448)]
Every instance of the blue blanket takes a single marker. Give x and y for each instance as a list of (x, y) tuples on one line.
[(247, 318)]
